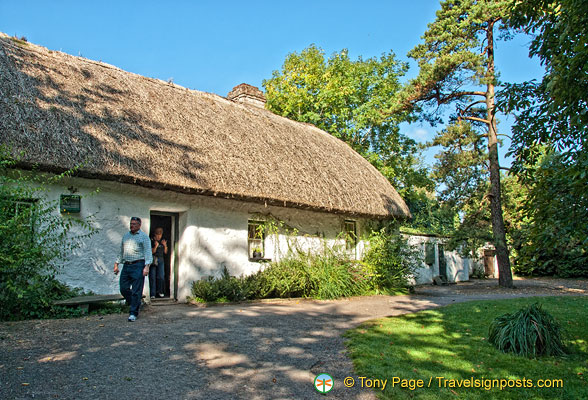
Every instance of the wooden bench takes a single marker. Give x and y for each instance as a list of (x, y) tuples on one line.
[(83, 302)]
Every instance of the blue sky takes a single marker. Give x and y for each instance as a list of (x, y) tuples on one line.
[(215, 45)]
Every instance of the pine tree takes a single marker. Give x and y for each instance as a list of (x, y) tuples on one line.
[(456, 66)]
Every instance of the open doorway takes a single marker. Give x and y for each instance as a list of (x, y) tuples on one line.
[(442, 262), (168, 222)]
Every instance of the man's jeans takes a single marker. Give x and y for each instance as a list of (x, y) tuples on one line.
[(131, 285)]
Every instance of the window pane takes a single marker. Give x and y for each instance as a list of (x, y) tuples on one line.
[(255, 240), (18, 211), (350, 235), (251, 230)]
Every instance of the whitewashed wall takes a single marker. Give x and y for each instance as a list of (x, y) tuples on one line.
[(212, 232), (458, 267)]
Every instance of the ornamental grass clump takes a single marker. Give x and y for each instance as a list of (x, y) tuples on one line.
[(331, 274), (529, 332)]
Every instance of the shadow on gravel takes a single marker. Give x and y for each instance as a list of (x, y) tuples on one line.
[(263, 351), (250, 351)]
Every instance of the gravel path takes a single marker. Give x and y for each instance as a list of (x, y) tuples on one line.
[(244, 351)]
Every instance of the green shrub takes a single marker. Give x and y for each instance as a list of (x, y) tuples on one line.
[(35, 238), (37, 301), (338, 276), (227, 288), (392, 259), (205, 290), (529, 332), (289, 277), (554, 239), (328, 274), (542, 251)]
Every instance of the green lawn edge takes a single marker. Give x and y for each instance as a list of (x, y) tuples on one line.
[(446, 346)]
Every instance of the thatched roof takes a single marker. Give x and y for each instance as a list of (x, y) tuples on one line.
[(63, 111)]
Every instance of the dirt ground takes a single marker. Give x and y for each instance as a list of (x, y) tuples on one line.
[(265, 350), (523, 286)]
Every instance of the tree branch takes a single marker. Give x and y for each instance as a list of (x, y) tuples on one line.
[(477, 119), (460, 94), (435, 94), (484, 46), (461, 112)]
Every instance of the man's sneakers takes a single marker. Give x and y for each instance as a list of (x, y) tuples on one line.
[(132, 318), (160, 295)]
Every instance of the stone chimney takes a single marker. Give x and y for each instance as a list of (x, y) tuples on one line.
[(247, 94)]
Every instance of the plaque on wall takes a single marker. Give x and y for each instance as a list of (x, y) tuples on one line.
[(69, 203)]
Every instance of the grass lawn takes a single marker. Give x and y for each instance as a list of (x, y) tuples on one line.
[(448, 346)]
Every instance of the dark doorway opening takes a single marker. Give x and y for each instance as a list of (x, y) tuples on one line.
[(442, 263), (168, 222)]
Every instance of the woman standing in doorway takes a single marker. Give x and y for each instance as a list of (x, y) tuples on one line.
[(156, 272)]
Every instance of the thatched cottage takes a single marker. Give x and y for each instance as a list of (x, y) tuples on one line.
[(207, 169)]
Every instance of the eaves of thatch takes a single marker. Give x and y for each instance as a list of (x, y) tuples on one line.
[(63, 111)]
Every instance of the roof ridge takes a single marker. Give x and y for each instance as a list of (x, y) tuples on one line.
[(127, 127), (10, 40), (46, 51)]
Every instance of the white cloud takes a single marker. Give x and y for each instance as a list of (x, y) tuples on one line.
[(419, 134)]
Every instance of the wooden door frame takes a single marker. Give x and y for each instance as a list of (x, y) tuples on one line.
[(176, 235)]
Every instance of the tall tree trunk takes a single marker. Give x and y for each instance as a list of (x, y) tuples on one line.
[(498, 230)]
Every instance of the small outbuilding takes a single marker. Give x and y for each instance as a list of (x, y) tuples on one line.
[(207, 169), (438, 261)]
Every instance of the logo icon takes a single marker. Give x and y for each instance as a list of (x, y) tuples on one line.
[(323, 383)]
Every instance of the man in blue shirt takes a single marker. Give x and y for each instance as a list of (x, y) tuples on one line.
[(135, 255)]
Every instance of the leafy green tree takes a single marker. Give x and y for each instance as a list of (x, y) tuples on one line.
[(350, 100), (553, 112), (429, 214), (475, 227), (456, 63), (550, 136), (35, 238), (554, 240)]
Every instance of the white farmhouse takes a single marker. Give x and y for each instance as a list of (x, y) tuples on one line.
[(206, 169)]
